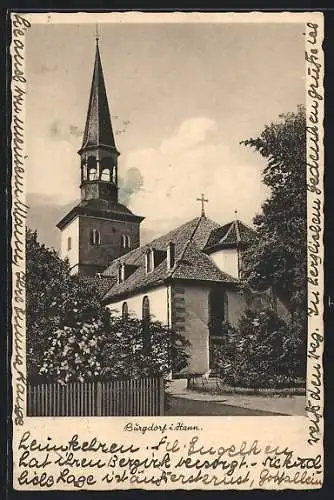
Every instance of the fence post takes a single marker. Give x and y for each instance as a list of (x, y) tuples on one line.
[(98, 399), (161, 397)]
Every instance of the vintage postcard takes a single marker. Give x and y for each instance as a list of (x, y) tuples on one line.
[(167, 254)]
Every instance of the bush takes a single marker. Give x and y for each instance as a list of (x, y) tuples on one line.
[(91, 351), (264, 353)]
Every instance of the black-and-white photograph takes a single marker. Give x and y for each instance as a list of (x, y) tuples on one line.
[(166, 242)]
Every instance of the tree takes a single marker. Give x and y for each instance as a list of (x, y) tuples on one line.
[(71, 336), (56, 300), (278, 257), (261, 354)]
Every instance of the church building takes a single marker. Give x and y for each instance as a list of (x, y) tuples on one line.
[(188, 278)]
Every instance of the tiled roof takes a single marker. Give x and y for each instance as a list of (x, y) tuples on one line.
[(99, 208), (230, 235), (190, 262), (102, 283)]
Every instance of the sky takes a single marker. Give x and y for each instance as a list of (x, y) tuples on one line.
[(182, 97)]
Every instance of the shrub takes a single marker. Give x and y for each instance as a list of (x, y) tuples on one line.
[(263, 354), (91, 351)]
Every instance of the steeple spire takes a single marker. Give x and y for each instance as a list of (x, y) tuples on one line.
[(98, 129), (99, 164)]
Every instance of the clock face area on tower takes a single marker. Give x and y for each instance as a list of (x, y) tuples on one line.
[(99, 229)]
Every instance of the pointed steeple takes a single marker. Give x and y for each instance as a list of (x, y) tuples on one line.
[(98, 129), (99, 155)]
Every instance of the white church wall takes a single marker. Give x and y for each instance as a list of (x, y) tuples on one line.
[(70, 231), (227, 261), (158, 298)]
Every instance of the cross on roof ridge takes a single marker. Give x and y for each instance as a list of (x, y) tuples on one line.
[(203, 200)]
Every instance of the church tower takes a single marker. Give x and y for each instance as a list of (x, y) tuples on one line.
[(99, 229)]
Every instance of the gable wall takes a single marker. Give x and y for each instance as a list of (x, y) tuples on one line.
[(158, 298), (70, 231), (227, 261)]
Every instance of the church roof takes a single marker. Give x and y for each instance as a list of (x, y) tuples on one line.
[(99, 208), (98, 129), (102, 284), (191, 263), (231, 235)]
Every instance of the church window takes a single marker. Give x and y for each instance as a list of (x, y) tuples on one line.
[(125, 241), (146, 309), (69, 243), (95, 237), (218, 311), (125, 310)]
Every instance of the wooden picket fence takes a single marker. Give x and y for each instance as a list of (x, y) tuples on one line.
[(137, 397)]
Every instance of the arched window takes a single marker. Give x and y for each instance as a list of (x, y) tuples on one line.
[(95, 237), (146, 309), (125, 241), (107, 165), (91, 168), (125, 310), (69, 243)]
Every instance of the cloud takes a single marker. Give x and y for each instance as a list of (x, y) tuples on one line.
[(75, 131), (194, 160), (191, 133), (130, 184), (59, 130), (162, 183)]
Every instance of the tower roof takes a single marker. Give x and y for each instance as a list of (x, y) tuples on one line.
[(231, 235), (98, 129)]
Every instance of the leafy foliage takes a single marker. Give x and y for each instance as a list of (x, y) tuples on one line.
[(73, 337), (91, 352), (279, 257), (55, 300), (261, 353)]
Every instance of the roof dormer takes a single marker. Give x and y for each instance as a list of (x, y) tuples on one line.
[(170, 255), (153, 258), (124, 271)]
